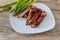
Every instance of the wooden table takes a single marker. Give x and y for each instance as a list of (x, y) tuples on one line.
[(7, 33)]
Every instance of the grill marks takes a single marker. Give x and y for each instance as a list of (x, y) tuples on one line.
[(34, 16), (40, 19)]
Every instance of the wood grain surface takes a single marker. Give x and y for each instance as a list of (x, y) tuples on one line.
[(7, 33)]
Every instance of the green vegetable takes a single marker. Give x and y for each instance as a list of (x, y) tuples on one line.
[(17, 12), (31, 2), (21, 6), (17, 7), (6, 7)]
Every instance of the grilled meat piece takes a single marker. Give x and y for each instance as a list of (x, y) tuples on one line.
[(40, 19), (34, 18), (31, 14), (25, 15)]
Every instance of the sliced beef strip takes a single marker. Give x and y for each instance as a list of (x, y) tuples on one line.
[(40, 19), (34, 18), (31, 14), (26, 14)]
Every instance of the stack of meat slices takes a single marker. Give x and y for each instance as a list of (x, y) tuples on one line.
[(34, 16)]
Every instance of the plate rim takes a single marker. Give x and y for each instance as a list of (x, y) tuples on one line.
[(36, 32)]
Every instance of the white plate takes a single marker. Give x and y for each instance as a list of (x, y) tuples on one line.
[(19, 25)]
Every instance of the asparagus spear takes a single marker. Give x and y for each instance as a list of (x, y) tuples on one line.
[(18, 6), (25, 5), (17, 13), (31, 2), (3, 9), (21, 4), (6, 7)]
